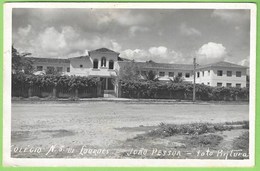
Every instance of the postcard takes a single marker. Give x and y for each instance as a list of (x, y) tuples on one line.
[(129, 84)]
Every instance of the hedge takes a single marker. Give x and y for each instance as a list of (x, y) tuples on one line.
[(184, 90), (45, 83)]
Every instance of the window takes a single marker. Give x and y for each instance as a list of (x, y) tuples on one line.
[(219, 72), (208, 72), (219, 84), (208, 83), (229, 73), (111, 64), (179, 74), (103, 61), (95, 63), (238, 74), (187, 75), (68, 69), (59, 69), (50, 70), (39, 68), (161, 74), (229, 84), (143, 72), (238, 85), (202, 73), (171, 74), (198, 74), (81, 66)]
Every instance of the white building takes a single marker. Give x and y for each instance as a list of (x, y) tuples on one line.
[(105, 64)]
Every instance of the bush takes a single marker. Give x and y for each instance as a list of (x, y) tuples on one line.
[(22, 82), (171, 90)]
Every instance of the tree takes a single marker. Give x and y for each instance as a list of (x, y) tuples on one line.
[(150, 76), (178, 79), (20, 63), (129, 72)]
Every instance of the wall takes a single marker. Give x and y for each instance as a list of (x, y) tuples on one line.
[(45, 65), (75, 66), (98, 55), (225, 79), (207, 78), (166, 71)]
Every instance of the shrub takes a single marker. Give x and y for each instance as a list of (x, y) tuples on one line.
[(22, 82), (182, 90)]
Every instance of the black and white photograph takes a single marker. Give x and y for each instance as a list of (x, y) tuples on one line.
[(137, 84)]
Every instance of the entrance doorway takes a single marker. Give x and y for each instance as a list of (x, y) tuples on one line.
[(107, 87), (107, 83)]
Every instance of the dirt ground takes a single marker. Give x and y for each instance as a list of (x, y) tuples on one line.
[(94, 129)]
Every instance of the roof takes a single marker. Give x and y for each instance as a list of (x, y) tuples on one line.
[(104, 50), (49, 60), (154, 65), (79, 57), (222, 64), (122, 59)]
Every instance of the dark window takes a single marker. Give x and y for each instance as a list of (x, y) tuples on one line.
[(208, 83), (198, 74), (50, 70), (161, 74), (179, 74), (111, 64), (202, 73), (187, 75), (171, 74), (110, 85), (68, 69), (238, 74), (143, 72), (103, 61), (238, 85), (209, 72), (81, 66), (95, 63), (229, 73), (39, 68), (219, 72), (219, 84), (59, 69), (229, 84)]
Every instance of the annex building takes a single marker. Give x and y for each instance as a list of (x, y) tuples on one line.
[(105, 64)]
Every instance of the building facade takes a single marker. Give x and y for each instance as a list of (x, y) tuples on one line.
[(106, 64)]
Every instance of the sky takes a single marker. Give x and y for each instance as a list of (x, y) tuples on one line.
[(161, 35)]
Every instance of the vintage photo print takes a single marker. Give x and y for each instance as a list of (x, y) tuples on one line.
[(129, 84)]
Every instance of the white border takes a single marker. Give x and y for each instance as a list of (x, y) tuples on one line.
[(8, 161)]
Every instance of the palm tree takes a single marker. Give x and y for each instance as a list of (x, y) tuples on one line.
[(150, 76), (178, 79)]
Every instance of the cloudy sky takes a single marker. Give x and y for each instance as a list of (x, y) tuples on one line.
[(162, 35)]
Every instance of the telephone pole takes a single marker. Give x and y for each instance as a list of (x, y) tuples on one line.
[(194, 80)]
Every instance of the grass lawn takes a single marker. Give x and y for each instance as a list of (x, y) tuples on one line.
[(109, 129)]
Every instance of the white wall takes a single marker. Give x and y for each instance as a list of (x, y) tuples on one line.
[(55, 65), (167, 77), (98, 55), (205, 79), (224, 79), (75, 66)]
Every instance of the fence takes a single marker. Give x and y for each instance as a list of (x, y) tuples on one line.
[(26, 92)]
